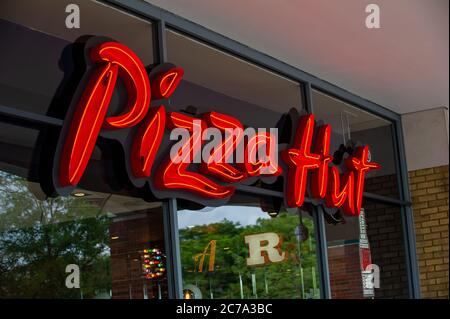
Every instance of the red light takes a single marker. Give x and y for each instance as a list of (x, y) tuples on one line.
[(114, 59), (134, 75), (257, 167), (171, 175), (359, 163), (220, 168), (86, 124), (166, 82), (338, 196), (300, 160), (319, 177), (147, 142)]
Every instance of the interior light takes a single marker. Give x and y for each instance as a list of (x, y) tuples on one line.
[(273, 214), (114, 237), (79, 194), (188, 294)]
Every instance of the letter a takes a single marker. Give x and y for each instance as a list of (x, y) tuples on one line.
[(373, 19)]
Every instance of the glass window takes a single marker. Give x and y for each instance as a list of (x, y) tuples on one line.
[(216, 81), (112, 239), (245, 250), (352, 127), (40, 64), (366, 254)]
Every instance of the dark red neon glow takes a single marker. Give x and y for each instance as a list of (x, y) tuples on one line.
[(90, 116), (341, 193), (359, 164), (299, 160), (114, 60), (319, 177), (134, 75), (220, 168), (166, 82), (86, 123), (147, 142), (150, 133), (174, 175), (256, 166)]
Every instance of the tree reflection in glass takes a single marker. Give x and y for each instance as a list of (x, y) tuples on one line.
[(214, 254), (39, 238)]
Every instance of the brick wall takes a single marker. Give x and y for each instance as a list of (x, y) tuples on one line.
[(385, 234), (382, 185), (345, 272), (129, 238), (429, 190)]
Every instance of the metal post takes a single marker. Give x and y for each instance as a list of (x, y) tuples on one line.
[(322, 253), (172, 245), (319, 224), (407, 219)]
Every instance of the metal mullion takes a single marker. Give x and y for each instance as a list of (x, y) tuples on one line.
[(355, 100), (319, 222), (172, 247), (322, 252), (137, 7), (308, 97), (29, 117), (409, 237), (386, 199), (161, 47), (172, 241)]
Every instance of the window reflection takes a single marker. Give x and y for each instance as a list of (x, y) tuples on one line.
[(215, 80), (366, 257), (353, 127), (243, 252), (44, 81), (115, 249)]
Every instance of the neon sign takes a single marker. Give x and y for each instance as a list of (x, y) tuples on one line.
[(213, 179)]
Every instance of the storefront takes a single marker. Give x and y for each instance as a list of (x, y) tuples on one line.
[(132, 238)]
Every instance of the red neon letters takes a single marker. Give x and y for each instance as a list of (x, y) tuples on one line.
[(360, 165), (116, 60), (150, 134), (346, 193), (258, 167), (174, 174), (300, 159), (217, 164), (341, 196), (147, 142)]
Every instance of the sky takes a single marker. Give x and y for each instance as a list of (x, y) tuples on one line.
[(242, 214)]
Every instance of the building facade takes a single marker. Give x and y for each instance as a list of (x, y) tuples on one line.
[(119, 232)]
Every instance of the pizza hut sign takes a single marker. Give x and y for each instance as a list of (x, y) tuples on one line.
[(145, 120)]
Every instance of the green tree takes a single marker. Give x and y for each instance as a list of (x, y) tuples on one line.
[(39, 238), (293, 278)]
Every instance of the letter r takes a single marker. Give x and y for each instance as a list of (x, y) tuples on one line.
[(264, 248)]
